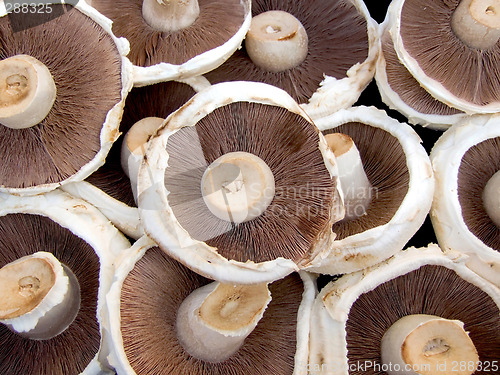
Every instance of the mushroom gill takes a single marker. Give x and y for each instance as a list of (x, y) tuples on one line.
[(337, 40), (86, 66), (431, 290), (477, 167), (217, 22), (26, 234), (155, 288), (453, 71)]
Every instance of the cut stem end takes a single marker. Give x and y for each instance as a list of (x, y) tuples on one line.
[(238, 187), (477, 23), (27, 92), (427, 345), (276, 41), (170, 15), (491, 198)]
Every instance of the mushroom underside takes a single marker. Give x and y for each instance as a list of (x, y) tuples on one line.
[(387, 172), (157, 100), (338, 40), (217, 22), (469, 73), (86, 67), (432, 290), (72, 350), (152, 343), (288, 144), (478, 165)]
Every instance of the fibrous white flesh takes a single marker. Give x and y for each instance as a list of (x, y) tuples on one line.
[(27, 91), (238, 187), (491, 198), (355, 185), (134, 147), (170, 15), (427, 344), (40, 297), (477, 23), (214, 320), (276, 41)]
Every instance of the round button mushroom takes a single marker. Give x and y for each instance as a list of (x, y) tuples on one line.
[(252, 229), (421, 312), (196, 325), (64, 83), (57, 264), (466, 161), (177, 39), (402, 92), (323, 53), (110, 188), (387, 185), (452, 50)]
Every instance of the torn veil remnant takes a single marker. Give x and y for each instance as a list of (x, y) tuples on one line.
[(387, 185), (331, 50), (177, 39), (185, 311), (466, 161), (109, 188), (262, 211), (64, 85), (458, 61), (417, 313), (56, 270)]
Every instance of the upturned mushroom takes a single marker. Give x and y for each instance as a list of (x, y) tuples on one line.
[(452, 50), (239, 185), (57, 263), (112, 188), (466, 161), (421, 312), (387, 184), (196, 325), (323, 53), (177, 39), (402, 92), (64, 83)]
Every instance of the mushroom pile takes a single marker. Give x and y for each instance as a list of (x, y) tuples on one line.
[(205, 186)]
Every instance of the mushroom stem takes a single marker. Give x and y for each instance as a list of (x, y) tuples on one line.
[(170, 15), (353, 180), (134, 147), (491, 198), (214, 321), (238, 187), (276, 41), (477, 23), (427, 345), (39, 298), (27, 91)]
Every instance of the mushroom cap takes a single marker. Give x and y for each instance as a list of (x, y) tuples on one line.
[(160, 56), (403, 185), (463, 159), (144, 268), (81, 125), (304, 163), (460, 76), (338, 339), (403, 93), (340, 62), (84, 240), (109, 188)]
